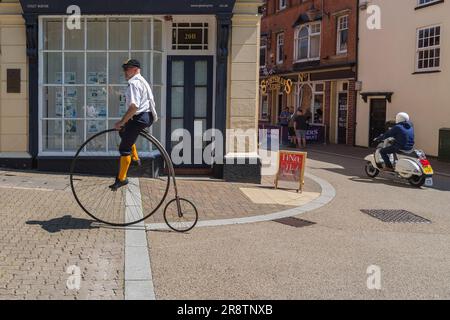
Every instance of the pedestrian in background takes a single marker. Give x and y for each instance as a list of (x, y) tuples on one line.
[(285, 115), (301, 126)]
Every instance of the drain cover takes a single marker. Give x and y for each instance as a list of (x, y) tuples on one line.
[(395, 216), (295, 222)]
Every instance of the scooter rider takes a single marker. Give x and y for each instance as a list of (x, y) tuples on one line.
[(403, 133)]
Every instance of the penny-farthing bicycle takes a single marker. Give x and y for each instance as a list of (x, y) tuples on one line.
[(95, 167)]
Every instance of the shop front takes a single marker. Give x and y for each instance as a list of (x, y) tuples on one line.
[(289, 93), (76, 85), (326, 97)]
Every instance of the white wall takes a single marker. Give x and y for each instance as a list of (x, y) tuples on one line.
[(387, 63)]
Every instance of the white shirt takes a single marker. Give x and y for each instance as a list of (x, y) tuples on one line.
[(140, 94)]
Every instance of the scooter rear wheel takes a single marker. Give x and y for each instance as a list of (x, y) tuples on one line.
[(371, 171), (417, 181)]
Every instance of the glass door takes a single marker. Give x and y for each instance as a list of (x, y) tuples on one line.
[(189, 105)]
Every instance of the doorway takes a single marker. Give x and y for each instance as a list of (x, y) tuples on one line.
[(377, 119), (189, 104)]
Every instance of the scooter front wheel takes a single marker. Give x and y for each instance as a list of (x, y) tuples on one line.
[(371, 171)]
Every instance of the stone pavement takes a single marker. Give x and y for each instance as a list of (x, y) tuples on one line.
[(44, 232), (327, 260)]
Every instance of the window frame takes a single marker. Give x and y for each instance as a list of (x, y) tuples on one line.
[(280, 60), (310, 35), (427, 3), (428, 49), (85, 85), (338, 34)]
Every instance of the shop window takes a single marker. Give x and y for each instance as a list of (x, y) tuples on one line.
[(82, 85), (317, 107), (428, 53), (307, 42), (190, 36), (342, 35), (264, 114)]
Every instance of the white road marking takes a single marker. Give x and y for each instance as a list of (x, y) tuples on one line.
[(328, 193), (138, 272)]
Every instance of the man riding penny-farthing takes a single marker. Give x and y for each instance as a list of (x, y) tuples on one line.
[(122, 203)]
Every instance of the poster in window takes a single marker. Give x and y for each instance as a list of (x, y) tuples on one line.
[(58, 104), (95, 126), (71, 127), (96, 107), (70, 102), (70, 78), (122, 103), (96, 78)]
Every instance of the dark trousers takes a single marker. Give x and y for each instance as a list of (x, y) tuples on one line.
[(130, 132), (385, 152), (284, 134)]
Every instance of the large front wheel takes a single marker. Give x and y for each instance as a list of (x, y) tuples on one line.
[(95, 167)]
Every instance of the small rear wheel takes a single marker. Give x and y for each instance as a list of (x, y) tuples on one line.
[(371, 171), (181, 220), (417, 181)]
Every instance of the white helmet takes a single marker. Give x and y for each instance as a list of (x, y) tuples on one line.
[(402, 117)]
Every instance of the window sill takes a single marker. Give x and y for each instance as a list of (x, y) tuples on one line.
[(429, 5), (306, 60), (426, 72)]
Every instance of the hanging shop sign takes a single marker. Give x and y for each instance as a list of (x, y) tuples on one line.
[(291, 168), (276, 83)]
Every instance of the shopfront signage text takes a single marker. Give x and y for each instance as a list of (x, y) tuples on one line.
[(303, 77), (276, 83)]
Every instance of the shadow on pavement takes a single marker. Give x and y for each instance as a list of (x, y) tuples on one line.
[(64, 223)]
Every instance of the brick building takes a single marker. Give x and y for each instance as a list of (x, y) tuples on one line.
[(308, 60)]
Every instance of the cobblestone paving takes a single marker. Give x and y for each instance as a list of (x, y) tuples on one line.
[(214, 199), (43, 232)]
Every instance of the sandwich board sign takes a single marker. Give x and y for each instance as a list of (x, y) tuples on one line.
[(291, 168)]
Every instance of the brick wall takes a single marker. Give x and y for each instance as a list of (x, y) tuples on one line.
[(282, 21)]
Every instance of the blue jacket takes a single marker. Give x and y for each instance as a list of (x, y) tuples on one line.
[(403, 133)]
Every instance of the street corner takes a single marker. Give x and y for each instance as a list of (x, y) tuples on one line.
[(224, 203)]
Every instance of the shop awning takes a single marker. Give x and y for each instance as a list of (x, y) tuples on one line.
[(129, 7)]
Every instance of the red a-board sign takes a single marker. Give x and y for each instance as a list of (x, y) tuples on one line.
[(291, 168)]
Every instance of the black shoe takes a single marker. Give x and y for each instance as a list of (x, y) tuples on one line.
[(118, 184)]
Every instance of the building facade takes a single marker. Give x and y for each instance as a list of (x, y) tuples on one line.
[(201, 58), (308, 61), (14, 133), (405, 66)]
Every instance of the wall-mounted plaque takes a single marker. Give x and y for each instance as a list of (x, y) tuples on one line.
[(13, 80)]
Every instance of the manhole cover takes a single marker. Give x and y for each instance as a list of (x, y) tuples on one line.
[(395, 216), (295, 222)]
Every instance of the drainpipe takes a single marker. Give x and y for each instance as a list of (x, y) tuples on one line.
[(357, 69)]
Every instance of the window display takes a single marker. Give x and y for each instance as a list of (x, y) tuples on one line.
[(83, 85)]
